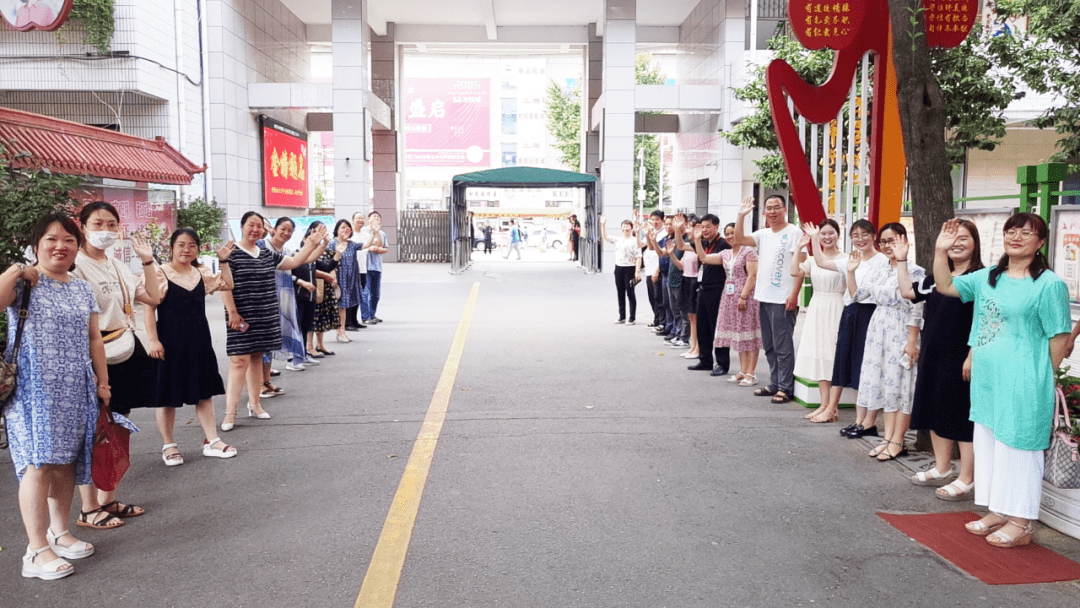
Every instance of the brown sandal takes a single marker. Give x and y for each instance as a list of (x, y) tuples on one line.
[(104, 524)]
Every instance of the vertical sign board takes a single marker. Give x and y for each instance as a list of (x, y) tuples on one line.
[(285, 165), (448, 122), (26, 15)]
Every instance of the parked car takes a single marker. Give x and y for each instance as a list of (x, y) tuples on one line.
[(547, 238)]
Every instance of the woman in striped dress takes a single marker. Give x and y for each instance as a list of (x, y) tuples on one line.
[(252, 312)]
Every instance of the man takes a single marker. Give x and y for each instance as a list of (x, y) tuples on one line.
[(575, 236), (651, 262), (776, 291), (708, 244), (487, 239), (515, 240), (679, 305), (352, 323), (374, 241)]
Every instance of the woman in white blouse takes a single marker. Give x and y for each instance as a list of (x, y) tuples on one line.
[(627, 267)]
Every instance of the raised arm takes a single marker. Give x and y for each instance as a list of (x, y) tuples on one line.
[(852, 265), (900, 250), (603, 230), (300, 257), (154, 293), (741, 238), (796, 264), (943, 283)]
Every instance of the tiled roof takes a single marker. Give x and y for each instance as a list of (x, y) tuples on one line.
[(76, 149)]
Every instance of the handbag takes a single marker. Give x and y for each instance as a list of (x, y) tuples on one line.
[(9, 368), (120, 343), (112, 451), (1062, 462)]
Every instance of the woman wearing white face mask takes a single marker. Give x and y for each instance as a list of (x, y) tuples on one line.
[(131, 373)]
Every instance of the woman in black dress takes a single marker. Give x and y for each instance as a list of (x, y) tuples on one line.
[(307, 276), (251, 313), (187, 371), (942, 399)]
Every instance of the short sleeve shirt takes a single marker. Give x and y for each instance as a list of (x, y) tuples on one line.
[(775, 250)]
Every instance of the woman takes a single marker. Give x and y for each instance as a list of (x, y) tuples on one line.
[(887, 377), (52, 412), (187, 371), (306, 277), (817, 344), (116, 290), (1019, 337), (691, 268), (737, 325), (942, 391), (348, 275), (326, 309), (850, 340), (627, 267), (251, 309), (292, 337)]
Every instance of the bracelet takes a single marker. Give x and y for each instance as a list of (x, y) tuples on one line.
[(151, 262), (105, 386), (904, 260), (221, 261)]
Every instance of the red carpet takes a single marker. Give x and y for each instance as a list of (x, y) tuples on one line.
[(944, 534)]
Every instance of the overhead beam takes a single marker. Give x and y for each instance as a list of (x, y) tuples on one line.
[(487, 9), (375, 19), (436, 34)]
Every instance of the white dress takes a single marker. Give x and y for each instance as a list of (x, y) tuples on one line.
[(817, 343), (884, 383)]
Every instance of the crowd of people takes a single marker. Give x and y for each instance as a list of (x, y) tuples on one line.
[(965, 352), (78, 347)]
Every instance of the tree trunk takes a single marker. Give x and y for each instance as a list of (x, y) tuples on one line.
[(922, 121)]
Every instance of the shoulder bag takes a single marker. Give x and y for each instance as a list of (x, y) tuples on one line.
[(120, 343), (1062, 463), (9, 372)]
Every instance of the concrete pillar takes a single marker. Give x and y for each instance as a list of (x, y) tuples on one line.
[(385, 69), (349, 35), (727, 188), (617, 176), (594, 85)]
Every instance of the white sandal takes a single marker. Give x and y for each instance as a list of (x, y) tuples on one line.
[(736, 377), (932, 477), (171, 460), (956, 491), (748, 380), (76, 550), (46, 572), (226, 451)]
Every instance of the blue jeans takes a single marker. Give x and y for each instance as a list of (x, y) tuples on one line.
[(369, 296)]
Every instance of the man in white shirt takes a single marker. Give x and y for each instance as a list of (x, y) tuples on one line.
[(776, 291), (651, 264)]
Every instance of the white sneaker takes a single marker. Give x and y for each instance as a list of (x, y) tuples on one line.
[(295, 368), (311, 360)]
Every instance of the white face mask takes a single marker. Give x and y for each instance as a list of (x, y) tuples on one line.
[(102, 239)]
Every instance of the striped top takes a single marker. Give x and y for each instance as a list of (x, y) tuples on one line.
[(255, 295)]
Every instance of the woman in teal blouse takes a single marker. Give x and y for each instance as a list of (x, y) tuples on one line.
[(1018, 339)]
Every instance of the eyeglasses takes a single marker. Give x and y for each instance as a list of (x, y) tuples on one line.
[(887, 242), (1015, 232), (774, 208)]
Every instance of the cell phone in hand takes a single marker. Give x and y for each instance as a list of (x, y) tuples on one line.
[(243, 327)]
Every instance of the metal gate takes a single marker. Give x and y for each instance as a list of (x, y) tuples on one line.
[(424, 236)]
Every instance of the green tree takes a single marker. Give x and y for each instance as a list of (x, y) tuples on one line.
[(563, 114), (1046, 61), (647, 72), (205, 218), (25, 196)]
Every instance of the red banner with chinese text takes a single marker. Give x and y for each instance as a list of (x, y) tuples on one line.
[(285, 165), (826, 23)]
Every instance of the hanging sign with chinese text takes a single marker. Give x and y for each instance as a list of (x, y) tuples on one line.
[(447, 122), (25, 15), (285, 165)]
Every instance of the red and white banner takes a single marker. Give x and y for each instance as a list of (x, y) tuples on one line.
[(448, 122), (285, 165), (26, 15)]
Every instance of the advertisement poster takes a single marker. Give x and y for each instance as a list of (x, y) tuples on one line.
[(448, 122), (991, 223), (25, 15), (285, 165), (1065, 256)]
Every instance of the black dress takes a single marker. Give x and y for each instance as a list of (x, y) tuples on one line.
[(942, 396), (189, 372)]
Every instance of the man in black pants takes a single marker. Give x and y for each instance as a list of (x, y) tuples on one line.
[(575, 235), (708, 244)]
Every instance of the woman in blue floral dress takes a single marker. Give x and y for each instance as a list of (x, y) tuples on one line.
[(348, 275), (62, 373)]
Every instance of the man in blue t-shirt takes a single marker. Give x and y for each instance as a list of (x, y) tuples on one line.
[(515, 240)]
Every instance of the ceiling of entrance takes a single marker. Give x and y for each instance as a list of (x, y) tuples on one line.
[(507, 12)]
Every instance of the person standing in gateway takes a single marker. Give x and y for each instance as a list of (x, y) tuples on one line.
[(776, 291), (374, 242)]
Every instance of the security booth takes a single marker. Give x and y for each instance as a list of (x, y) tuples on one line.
[(461, 242), (137, 176)]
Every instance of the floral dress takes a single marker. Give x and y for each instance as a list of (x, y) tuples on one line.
[(884, 383), (738, 329), (53, 411), (348, 275)]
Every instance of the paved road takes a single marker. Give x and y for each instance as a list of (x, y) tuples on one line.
[(579, 465)]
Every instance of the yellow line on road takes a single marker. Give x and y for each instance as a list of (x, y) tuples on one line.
[(384, 571)]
